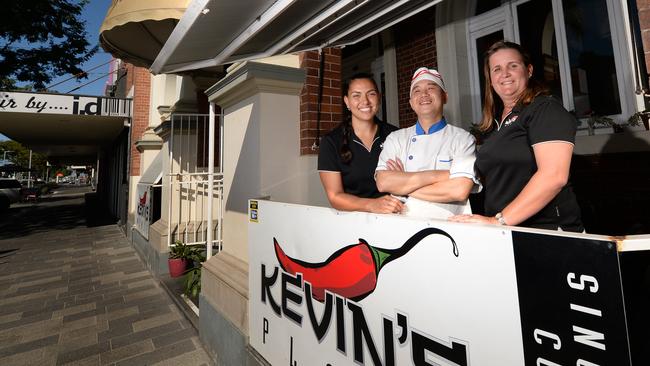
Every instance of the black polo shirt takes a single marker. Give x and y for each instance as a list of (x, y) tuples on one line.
[(358, 174), (506, 161)]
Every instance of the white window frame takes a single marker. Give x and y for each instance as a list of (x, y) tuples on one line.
[(505, 18)]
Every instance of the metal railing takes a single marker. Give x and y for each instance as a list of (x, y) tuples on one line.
[(190, 199)]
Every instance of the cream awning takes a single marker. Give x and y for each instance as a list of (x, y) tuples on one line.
[(217, 32), (136, 30)]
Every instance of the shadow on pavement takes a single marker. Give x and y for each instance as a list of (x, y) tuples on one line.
[(54, 213)]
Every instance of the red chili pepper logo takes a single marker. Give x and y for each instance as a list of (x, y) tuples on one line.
[(351, 271), (143, 199)]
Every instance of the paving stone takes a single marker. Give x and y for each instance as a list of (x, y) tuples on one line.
[(140, 294), (88, 361), (12, 302), (32, 357), (80, 323), (83, 314), (50, 280), (9, 339), (110, 301), (72, 344), (29, 346), (154, 321), (82, 353), (74, 310), (10, 317), (89, 331), (24, 321), (197, 357), (47, 309), (34, 331), (173, 337), (145, 334), (121, 313), (128, 351), (114, 331), (160, 354)]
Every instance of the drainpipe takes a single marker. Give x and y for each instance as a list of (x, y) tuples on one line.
[(211, 127), (640, 72), (319, 100)]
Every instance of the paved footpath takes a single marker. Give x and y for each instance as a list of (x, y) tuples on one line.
[(79, 295)]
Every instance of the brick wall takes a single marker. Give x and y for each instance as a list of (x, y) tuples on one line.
[(140, 79), (416, 46), (331, 106)]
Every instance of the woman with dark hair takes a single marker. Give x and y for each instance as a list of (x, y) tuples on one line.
[(349, 153), (526, 155)]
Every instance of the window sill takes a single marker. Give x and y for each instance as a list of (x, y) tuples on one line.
[(627, 141)]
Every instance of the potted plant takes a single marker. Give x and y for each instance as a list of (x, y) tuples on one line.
[(193, 275), (639, 118), (178, 258), (595, 119)]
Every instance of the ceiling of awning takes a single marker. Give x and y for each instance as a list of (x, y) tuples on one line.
[(66, 126), (136, 30), (217, 32)]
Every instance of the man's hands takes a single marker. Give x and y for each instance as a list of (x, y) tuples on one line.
[(395, 165), (397, 181)]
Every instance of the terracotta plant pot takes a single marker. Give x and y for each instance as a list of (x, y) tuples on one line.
[(177, 267)]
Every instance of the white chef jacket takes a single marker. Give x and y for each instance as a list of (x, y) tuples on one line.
[(445, 147)]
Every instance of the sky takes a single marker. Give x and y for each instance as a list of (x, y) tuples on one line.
[(93, 14)]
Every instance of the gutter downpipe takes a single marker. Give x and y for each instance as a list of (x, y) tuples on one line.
[(211, 128), (640, 72)]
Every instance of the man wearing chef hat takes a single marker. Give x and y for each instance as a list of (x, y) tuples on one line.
[(430, 165)]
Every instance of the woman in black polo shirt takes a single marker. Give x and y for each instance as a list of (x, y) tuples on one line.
[(349, 153), (526, 156)]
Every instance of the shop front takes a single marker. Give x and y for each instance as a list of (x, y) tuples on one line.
[(473, 295)]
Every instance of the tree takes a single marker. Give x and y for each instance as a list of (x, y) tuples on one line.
[(40, 40), (20, 155)]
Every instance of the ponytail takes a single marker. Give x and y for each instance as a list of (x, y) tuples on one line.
[(346, 153)]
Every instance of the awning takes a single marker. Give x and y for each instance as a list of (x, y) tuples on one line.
[(153, 174), (135, 30), (68, 126), (217, 32)]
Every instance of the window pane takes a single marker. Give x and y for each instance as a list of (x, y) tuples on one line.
[(483, 6), (482, 45), (537, 36), (591, 56)]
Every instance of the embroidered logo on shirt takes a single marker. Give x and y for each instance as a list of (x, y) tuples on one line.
[(510, 120)]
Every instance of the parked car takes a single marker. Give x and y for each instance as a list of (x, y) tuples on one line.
[(9, 192)]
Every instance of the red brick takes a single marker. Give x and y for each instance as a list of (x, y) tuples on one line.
[(330, 100)]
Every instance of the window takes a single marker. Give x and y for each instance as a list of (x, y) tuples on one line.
[(578, 47)]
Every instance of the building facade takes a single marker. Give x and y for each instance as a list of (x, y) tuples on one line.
[(275, 105)]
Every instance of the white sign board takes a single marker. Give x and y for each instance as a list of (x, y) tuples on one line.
[(64, 104), (143, 211), (332, 288)]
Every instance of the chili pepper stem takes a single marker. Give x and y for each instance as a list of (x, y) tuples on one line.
[(384, 256), (380, 256)]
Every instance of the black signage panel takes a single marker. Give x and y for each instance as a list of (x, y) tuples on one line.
[(570, 300)]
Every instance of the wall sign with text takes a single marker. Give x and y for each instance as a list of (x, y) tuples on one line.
[(64, 104), (333, 288)]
